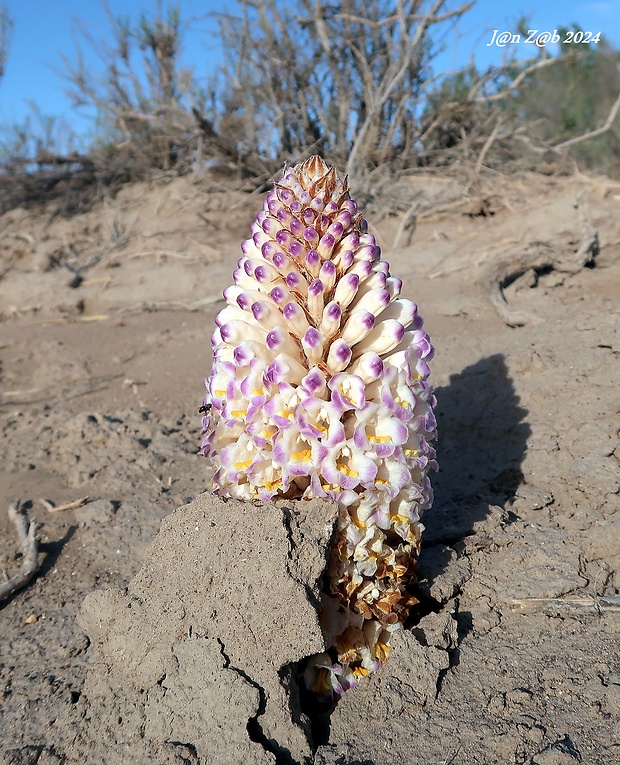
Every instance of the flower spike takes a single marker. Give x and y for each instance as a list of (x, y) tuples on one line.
[(319, 388)]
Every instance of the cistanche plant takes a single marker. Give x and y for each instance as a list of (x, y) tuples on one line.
[(319, 388)]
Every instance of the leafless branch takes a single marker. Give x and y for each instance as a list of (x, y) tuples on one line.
[(596, 602), (389, 82), (540, 64), (26, 534), (52, 508), (406, 222), (592, 133), (434, 19), (6, 27), (487, 146)]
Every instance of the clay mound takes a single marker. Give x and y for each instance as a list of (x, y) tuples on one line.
[(196, 658)]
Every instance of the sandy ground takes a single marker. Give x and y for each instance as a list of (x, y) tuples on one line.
[(514, 656)]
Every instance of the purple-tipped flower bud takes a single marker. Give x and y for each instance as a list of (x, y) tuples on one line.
[(315, 299), (358, 326), (362, 268), (269, 249), (284, 369), (285, 265), (266, 274), (327, 275), (394, 285), (259, 238), (344, 260), (266, 314), (279, 340), (232, 293), (326, 245), (311, 235), (284, 217), (346, 290), (297, 250), (248, 247), (296, 283), (336, 230), (344, 218), (350, 242), (330, 323), (313, 262), (369, 366), (284, 238), (271, 226), (297, 228), (374, 301), (296, 319), (314, 382), (280, 295), (383, 338), (404, 311), (339, 356), (368, 252), (235, 332), (312, 343), (242, 279)]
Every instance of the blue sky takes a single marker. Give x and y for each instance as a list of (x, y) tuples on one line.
[(43, 31)]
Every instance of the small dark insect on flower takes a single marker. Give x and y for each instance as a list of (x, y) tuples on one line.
[(204, 408)]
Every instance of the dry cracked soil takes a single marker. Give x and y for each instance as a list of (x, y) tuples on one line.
[(164, 626)]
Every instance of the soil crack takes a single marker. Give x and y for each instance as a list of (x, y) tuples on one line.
[(255, 731), (292, 563)]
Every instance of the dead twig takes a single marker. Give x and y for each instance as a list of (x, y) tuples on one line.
[(598, 602), (407, 223), (166, 254), (518, 134), (26, 533), (173, 305), (592, 133), (73, 319), (52, 508), (487, 146), (513, 85)]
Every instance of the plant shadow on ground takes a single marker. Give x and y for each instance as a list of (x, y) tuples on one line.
[(51, 551), (482, 442)]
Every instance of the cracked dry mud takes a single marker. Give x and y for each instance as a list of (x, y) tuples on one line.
[(201, 647), (136, 647)]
